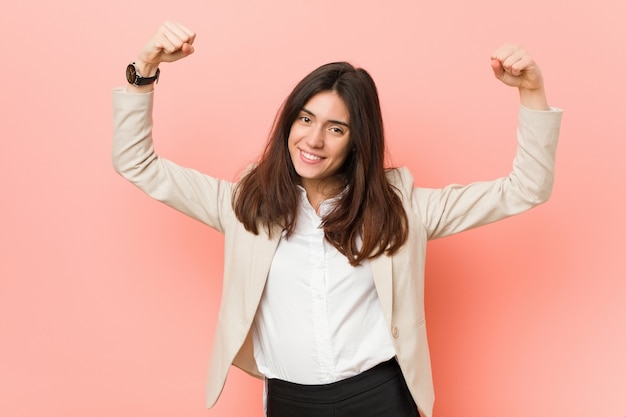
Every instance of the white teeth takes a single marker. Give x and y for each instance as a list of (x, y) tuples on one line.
[(311, 156)]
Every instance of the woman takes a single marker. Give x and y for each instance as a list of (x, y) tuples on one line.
[(324, 247)]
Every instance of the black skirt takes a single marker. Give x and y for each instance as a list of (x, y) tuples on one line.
[(378, 392)]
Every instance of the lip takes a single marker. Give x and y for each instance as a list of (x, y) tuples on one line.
[(309, 157)]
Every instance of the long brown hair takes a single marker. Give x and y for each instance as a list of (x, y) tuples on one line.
[(369, 210)]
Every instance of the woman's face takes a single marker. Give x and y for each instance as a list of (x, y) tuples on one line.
[(319, 139)]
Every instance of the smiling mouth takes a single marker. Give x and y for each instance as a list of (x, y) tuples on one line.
[(310, 157)]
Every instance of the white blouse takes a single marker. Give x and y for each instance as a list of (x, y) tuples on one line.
[(320, 319)]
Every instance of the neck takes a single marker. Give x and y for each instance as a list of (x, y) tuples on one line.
[(318, 191)]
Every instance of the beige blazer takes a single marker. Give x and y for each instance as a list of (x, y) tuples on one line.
[(399, 280)]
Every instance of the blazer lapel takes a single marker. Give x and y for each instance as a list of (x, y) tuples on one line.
[(261, 256), (382, 270)]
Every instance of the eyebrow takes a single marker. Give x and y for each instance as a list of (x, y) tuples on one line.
[(338, 122)]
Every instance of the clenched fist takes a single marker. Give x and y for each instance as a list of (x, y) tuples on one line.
[(171, 42), (512, 65)]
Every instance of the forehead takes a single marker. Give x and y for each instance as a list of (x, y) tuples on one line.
[(327, 105)]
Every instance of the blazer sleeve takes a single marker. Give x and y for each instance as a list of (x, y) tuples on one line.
[(456, 208), (197, 195)]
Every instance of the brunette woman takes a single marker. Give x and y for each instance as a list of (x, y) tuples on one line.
[(324, 245)]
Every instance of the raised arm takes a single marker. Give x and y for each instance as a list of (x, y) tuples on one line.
[(195, 194), (456, 208)]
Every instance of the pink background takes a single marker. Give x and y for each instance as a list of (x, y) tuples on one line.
[(108, 299)]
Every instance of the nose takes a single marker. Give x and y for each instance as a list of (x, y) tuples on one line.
[(315, 138)]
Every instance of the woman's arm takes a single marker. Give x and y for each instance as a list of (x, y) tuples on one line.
[(457, 208), (195, 194)]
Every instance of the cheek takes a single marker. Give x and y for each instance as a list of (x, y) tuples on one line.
[(291, 146), (344, 151), (293, 134)]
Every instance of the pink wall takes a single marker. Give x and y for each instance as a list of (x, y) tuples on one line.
[(108, 300)]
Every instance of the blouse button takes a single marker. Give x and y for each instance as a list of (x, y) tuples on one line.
[(394, 332)]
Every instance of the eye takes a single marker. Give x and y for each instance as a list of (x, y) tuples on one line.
[(305, 119), (336, 130)]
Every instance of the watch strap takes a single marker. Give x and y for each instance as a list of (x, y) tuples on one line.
[(134, 77)]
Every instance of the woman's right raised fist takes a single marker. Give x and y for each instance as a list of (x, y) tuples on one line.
[(171, 42)]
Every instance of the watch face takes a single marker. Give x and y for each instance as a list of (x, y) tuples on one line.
[(131, 74)]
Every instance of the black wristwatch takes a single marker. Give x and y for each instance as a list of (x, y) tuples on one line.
[(134, 78)]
